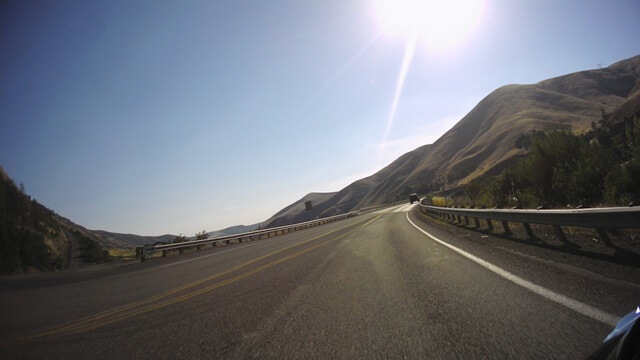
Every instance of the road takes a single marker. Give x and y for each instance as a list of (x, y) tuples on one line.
[(374, 286)]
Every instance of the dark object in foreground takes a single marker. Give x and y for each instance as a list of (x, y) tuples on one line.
[(413, 197), (623, 342)]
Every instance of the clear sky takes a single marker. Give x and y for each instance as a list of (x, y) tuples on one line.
[(154, 117)]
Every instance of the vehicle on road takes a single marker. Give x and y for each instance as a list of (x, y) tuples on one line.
[(413, 197), (623, 342)]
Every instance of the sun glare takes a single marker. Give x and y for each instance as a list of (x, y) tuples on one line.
[(437, 24)]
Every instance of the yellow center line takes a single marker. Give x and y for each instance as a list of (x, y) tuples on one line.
[(375, 218), (92, 326), (122, 312)]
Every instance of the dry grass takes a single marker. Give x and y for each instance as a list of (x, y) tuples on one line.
[(122, 254)]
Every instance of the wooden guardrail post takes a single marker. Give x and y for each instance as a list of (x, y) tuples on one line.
[(604, 237), (527, 227), (560, 234), (556, 228), (489, 224), (140, 253), (505, 227)]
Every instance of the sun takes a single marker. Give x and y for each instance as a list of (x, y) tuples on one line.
[(438, 24)]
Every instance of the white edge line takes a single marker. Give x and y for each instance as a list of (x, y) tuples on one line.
[(572, 304)]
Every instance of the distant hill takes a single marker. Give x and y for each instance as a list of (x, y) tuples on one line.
[(483, 142), (232, 230), (297, 212), (118, 240)]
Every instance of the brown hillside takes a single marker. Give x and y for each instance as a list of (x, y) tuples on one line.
[(484, 140)]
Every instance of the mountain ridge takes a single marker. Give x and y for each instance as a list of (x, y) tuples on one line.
[(483, 141)]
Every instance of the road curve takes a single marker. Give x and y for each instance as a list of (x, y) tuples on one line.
[(372, 286)]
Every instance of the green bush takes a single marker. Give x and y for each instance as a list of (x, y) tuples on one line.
[(564, 168), (22, 249), (91, 250)]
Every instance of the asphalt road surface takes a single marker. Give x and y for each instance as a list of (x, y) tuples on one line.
[(379, 285)]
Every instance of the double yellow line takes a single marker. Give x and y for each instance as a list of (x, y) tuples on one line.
[(143, 306)]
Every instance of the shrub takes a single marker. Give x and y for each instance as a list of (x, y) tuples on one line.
[(91, 250), (179, 239)]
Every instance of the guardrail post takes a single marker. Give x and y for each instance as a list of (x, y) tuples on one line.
[(560, 233), (466, 220), (604, 237), (489, 224), (505, 227), (477, 222), (527, 227), (140, 253), (164, 253)]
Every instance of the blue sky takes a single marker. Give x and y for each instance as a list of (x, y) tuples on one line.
[(154, 117)]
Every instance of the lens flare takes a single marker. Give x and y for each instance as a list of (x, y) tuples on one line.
[(438, 24), (404, 69)]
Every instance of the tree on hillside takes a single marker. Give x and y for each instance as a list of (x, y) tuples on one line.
[(179, 239), (562, 168), (621, 184), (202, 235)]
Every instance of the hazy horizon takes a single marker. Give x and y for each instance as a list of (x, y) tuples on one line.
[(173, 117)]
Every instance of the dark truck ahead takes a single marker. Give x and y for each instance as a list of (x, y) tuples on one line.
[(413, 197)]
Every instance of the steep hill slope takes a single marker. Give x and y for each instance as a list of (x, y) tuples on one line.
[(33, 238), (484, 140), (296, 212)]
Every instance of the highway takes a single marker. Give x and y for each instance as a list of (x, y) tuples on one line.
[(381, 285)]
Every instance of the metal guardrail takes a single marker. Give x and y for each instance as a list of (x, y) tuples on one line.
[(143, 251), (382, 206), (598, 218)]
